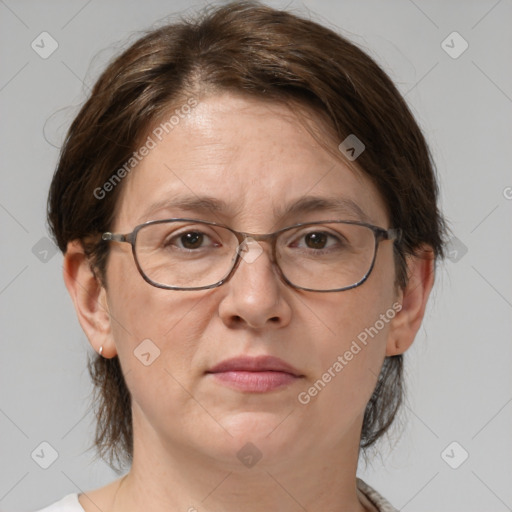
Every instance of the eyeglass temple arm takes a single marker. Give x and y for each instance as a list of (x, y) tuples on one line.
[(115, 237), (394, 234)]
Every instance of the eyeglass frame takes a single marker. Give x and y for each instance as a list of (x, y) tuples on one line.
[(380, 234)]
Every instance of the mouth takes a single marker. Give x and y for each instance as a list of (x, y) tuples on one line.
[(255, 374)]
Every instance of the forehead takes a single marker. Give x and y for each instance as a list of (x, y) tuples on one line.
[(246, 162)]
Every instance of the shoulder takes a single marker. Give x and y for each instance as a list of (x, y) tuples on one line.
[(69, 503), (97, 499), (380, 503)]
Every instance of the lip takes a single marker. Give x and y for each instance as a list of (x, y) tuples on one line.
[(255, 364), (255, 374)]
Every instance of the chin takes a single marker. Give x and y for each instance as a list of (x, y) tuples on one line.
[(262, 432)]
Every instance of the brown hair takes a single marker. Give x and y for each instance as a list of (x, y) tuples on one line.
[(252, 49)]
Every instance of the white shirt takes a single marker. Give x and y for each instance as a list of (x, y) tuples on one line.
[(70, 502)]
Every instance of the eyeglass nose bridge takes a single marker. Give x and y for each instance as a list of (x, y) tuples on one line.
[(251, 254), (258, 237)]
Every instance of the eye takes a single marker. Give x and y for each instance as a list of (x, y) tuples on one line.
[(317, 240), (190, 240)]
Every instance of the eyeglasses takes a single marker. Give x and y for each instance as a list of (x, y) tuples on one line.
[(191, 254)]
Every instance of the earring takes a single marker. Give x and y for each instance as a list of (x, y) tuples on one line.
[(101, 350)]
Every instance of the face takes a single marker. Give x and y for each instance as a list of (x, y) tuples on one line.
[(259, 160)]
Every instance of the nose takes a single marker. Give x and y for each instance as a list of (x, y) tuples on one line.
[(255, 296)]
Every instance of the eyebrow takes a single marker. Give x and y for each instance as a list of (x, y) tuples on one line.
[(306, 204), (339, 205), (191, 203)]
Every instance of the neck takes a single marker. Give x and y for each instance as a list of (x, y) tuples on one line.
[(186, 480)]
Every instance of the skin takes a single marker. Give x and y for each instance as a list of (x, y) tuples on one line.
[(188, 427)]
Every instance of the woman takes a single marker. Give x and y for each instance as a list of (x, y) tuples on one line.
[(248, 215)]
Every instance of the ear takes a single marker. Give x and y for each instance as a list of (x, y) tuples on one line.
[(90, 299), (414, 297)]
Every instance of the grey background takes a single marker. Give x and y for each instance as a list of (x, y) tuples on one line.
[(458, 371)]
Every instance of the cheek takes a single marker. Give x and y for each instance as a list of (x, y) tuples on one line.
[(337, 394), (361, 317), (158, 340), (353, 347), (353, 351), (152, 327)]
